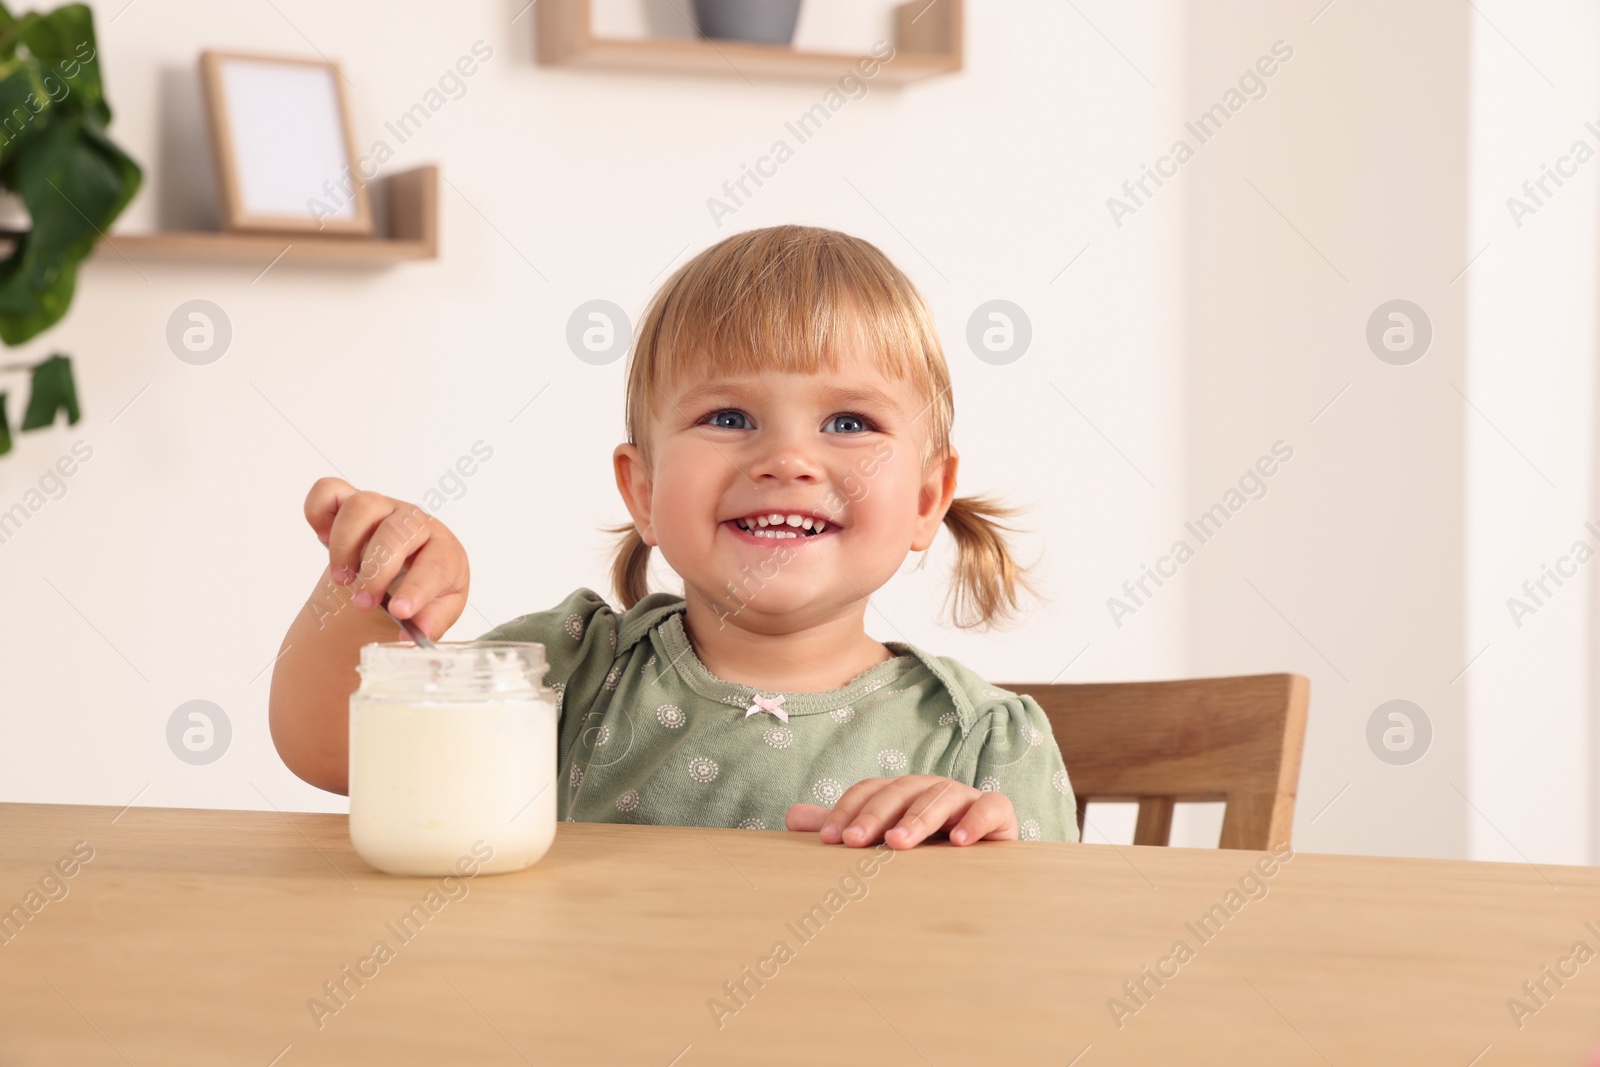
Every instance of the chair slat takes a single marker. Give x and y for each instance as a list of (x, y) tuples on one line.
[(1155, 820), (1237, 739)]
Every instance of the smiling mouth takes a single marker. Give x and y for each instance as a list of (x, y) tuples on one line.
[(779, 527)]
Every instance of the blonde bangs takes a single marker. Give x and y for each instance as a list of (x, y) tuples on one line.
[(793, 299)]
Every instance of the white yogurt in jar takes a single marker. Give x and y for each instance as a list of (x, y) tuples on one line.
[(451, 747)]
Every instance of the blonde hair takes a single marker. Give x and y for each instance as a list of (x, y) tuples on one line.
[(781, 298)]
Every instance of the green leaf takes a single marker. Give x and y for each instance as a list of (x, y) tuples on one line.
[(74, 182), (12, 35), (23, 109), (62, 43), (53, 390), (54, 155)]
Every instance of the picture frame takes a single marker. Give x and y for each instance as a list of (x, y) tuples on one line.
[(283, 145)]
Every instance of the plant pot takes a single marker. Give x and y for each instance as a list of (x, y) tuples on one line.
[(765, 21)]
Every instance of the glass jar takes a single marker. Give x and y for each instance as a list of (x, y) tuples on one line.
[(452, 758)]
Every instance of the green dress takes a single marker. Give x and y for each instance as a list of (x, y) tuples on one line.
[(648, 735)]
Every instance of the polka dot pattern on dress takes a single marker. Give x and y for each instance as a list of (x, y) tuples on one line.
[(1029, 830), (574, 626), (892, 759), (576, 777), (671, 716), (628, 801), (990, 784), (702, 769), (842, 715), (828, 791), (602, 735), (611, 677), (779, 737), (949, 718), (1060, 782), (752, 824), (1031, 733)]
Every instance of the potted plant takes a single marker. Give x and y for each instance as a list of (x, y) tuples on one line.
[(766, 21), (70, 178)]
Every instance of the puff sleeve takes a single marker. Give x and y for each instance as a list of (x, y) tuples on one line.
[(1015, 753)]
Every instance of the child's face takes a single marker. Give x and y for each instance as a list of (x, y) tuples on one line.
[(846, 446)]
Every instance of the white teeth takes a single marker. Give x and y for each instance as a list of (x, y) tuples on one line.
[(791, 525)]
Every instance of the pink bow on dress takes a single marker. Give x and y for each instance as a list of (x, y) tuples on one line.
[(772, 704)]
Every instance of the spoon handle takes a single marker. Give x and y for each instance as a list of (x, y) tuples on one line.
[(412, 630)]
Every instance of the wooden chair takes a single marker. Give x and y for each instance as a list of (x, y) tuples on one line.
[(1237, 740)]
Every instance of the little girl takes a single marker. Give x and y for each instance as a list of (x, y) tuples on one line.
[(788, 416)]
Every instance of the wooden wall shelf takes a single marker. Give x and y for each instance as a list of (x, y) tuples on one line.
[(928, 41), (413, 234)]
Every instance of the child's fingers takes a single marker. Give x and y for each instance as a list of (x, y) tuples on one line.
[(991, 818), (392, 545), (805, 817), (929, 812), (849, 805), (359, 515), (323, 502), (437, 570), (889, 805), (438, 615)]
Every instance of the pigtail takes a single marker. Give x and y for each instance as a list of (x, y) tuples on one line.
[(630, 569), (988, 577)]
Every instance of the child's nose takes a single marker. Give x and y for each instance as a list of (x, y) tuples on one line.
[(786, 461)]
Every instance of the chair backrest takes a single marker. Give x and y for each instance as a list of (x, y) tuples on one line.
[(1237, 740)]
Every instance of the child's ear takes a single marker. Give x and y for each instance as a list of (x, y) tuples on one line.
[(633, 482), (938, 490)]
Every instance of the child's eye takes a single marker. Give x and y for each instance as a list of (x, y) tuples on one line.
[(846, 423), (738, 420)]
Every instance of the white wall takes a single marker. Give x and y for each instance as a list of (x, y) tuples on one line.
[(1530, 354), (1342, 188), (178, 557), (1420, 496)]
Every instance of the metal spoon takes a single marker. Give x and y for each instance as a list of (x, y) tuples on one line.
[(412, 630)]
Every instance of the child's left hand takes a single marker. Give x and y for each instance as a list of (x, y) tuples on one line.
[(903, 811)]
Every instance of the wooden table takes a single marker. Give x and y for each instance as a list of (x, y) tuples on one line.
[(206, 937)]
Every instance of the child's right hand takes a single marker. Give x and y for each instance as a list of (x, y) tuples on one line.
[(373, 538)]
